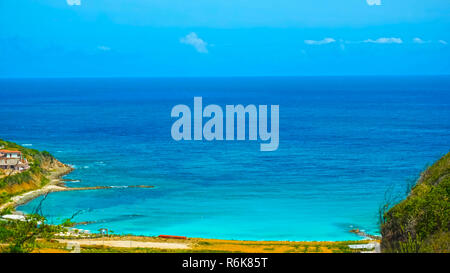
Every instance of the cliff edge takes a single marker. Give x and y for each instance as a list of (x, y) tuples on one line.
[(43, 169), (421, 222)]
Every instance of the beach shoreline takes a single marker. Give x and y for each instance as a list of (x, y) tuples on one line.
[(56, 184), (54, 172), (137, 243)]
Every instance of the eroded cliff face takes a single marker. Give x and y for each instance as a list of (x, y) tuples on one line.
[(43, 167), (421, 222)]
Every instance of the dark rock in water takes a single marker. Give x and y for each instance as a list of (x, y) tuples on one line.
[(141, 186), (364, 234)]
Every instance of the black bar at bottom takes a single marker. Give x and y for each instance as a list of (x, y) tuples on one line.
[(224, 262)]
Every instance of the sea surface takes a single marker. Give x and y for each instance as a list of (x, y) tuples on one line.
[(346, 143)]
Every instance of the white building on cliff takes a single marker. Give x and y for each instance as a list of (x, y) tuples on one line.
[(13, 160)]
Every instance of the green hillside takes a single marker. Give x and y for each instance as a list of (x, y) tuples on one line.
[(421, 222), (42, 164)]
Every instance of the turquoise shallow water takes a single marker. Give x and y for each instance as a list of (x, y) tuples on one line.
[(343, 143)]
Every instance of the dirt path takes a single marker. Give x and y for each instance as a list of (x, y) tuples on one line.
[(124, 243)]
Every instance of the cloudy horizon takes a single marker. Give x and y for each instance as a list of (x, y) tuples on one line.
[(68, 38)]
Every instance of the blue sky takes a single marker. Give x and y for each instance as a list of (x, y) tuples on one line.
[(135, 38)]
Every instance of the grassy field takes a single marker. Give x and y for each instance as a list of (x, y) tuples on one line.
[(198, 245)]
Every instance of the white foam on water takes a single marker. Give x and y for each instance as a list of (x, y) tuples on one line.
[(73, 181)]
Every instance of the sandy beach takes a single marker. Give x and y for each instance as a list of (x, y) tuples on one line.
[(56, 184)]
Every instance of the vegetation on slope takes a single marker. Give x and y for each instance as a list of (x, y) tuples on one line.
[(421, 222), (21, 236), (41, 164)]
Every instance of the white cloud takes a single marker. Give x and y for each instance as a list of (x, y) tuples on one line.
[(418, 41), (320, 42), (384, 41), (373, 2), (193, 40), (104, 48), (73, 2)]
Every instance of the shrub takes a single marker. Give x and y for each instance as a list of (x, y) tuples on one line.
[(419, 223)]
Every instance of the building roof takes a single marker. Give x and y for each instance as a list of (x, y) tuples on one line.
[(10, 152)]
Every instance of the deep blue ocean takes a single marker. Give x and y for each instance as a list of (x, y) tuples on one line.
[(344, 143)]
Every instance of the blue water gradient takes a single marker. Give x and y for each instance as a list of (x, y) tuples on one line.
[(344, 142)]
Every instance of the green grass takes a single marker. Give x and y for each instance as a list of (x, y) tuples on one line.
[(39, 162), (421, 222)]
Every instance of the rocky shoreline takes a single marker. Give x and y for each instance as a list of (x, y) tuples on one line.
[(56, 184)]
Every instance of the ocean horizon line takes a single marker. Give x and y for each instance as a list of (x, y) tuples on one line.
[(234, 76)]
